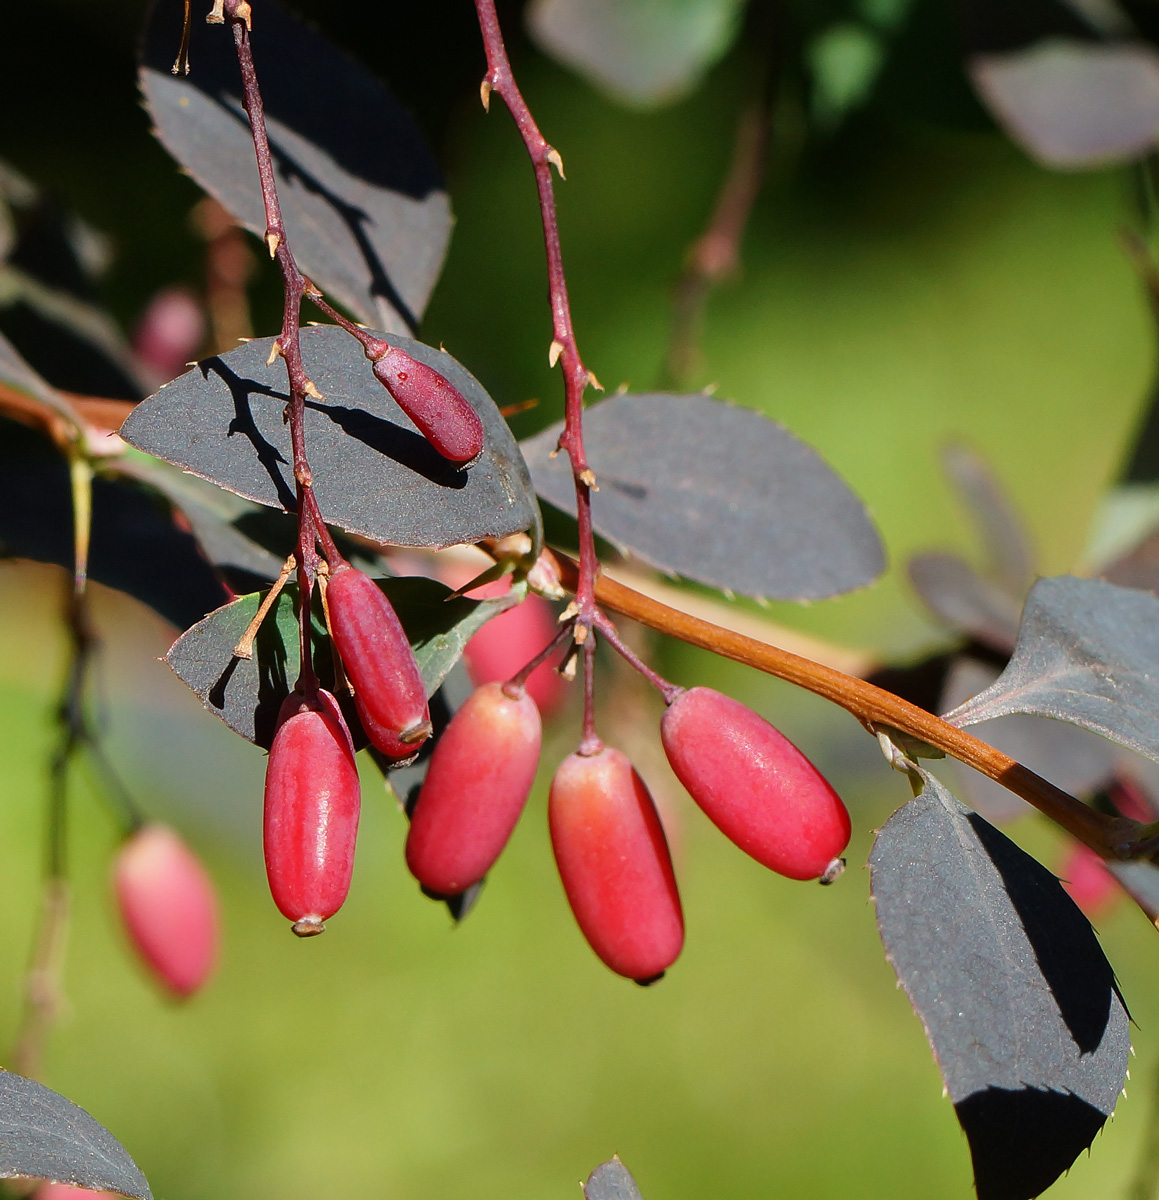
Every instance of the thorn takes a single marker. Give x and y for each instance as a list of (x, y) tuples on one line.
[(594, 381), (588, 476), (273, 241), (709, 389), (569, 612), (622, 390), (275, 350), (568, 668), (217, 16), (555, 160), (243, 12), (553, 352), (580, 633), (485, 94), (312, 391)]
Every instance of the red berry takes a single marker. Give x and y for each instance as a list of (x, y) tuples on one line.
[(388, 688), (169, 907), (433, 403), (65, 1191), (1087, 881), (614, 862), (311, 812), (478, 781), (512, 639), (754, 784)]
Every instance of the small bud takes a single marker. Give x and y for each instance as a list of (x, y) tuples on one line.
[(485, 94), (273, 241), (312, 391), (275, 350), (555, 160), (553, 353)]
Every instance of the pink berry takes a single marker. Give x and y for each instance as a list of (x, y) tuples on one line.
[(168, 904), (65, 1191), (613, 859), (170, 332), (512, 639), (312, 805), (479, 778), (1087, 881), (432, 402), (754, 784), (388, 687)]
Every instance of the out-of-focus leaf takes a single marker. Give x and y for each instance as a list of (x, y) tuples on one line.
[(1088, 654), (1073, 759), (958, 595), (135, 546), (361, 195), (719, 494), (611, 1181), (16, 372), (642, 52), (1073, 104), (374, 473), (1002, 532), (844, 60), (211, 512), (1018, 1000), (45, 1136), (247, 693)]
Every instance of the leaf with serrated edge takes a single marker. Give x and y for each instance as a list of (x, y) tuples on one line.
[(45, 1136), (247, 693), (361, 195), (1017, 998), (374, 473), (1087, 653), (718, 494), (611, 1181)]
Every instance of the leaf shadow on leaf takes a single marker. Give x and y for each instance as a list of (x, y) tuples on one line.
[(288, 53), (1019, 1137), (404, 446), (354, 218), (1063, 940), (240, 391)]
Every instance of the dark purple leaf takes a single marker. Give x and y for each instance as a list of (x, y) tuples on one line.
[(611, 1181), (247, 693), (136, 547), (1088, 654), (1002, 533), (969, 604), (45, 1136), (1018, 1000), (719, 494), (1073, 759), (374, 474), (361, 195)]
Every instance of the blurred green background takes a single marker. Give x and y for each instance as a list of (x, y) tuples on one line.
[(909, 279)]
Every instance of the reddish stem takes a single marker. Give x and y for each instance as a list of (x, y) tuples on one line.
[(500, 80), (311, 526)]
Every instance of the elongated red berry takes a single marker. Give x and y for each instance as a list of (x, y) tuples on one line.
[(1087, 881), (754, 784), (613, 859), (432, 402), (311, 811), (388, 687), (66, 1191), (169, 907), (478, 781)]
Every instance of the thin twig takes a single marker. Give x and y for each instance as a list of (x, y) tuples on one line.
[(501, 81)]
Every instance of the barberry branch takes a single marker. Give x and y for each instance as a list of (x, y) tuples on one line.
[(878, 710), (501, 81), (311, 526)]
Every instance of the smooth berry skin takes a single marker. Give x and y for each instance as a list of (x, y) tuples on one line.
[(754, 784), (512, 639), (312, 805), (433, 403), (476, 786), (169, 907), (66, 1191), (389, 693), (614, 863)]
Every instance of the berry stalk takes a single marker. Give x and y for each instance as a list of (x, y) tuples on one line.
[(564, 350)]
